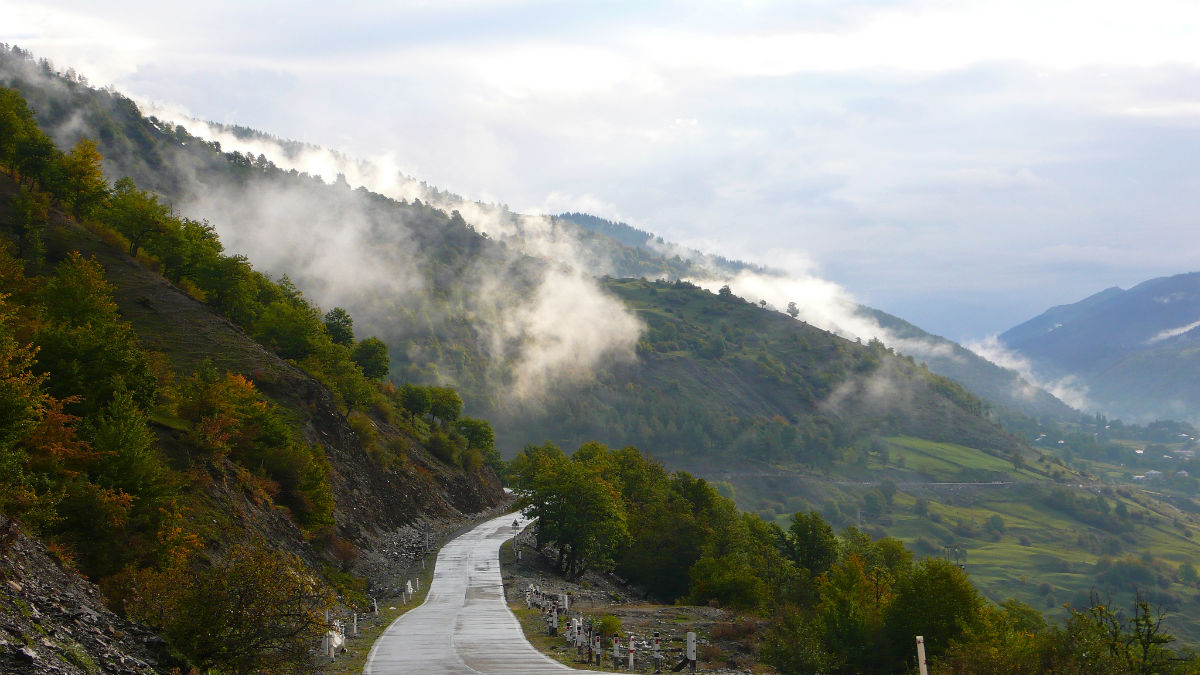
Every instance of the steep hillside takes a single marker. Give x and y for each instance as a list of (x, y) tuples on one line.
[(160, 450), (370, 503), (1136, 351)]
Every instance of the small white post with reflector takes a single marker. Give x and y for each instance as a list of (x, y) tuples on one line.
[(691, 650), (924, 668), (631, 652)]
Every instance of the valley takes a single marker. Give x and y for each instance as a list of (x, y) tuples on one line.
[(331, 378)]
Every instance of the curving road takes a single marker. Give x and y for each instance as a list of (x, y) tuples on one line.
[(464, 625)]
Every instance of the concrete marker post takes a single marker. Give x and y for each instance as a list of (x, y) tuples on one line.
[(616, 652), (921, 664), (631, 652), (691, 650), (657, 654)]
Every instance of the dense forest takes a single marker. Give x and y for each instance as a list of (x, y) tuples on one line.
[(838, 603)]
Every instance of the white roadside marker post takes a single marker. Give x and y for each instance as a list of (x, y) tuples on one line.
[(616, 654), (657, 655), (924, 667), (691, 650), (631, 652)]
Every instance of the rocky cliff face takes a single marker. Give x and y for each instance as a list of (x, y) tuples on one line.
[(53, 621)]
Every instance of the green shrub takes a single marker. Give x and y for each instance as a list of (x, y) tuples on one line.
[(440, 445), (608, 625)]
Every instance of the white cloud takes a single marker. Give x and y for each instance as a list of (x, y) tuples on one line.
[(1067, 389), (1172, 332)]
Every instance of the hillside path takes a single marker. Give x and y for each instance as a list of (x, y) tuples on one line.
[(464, 625)]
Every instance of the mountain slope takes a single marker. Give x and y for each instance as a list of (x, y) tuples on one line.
[(717, 377), (1137, 351), (999, 386)]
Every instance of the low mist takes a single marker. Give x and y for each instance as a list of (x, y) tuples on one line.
[(563, 330)]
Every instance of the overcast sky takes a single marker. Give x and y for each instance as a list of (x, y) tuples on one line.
[(964, 165)]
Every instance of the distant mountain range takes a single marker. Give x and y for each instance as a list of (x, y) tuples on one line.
[(1136, 351)]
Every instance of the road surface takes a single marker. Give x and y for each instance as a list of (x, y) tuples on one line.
[(464, 625)]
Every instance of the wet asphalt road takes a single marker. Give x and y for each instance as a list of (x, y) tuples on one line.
[(464, 626)]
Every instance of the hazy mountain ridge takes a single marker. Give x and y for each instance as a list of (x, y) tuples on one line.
[(1135, 350), (685, 261), (999, 385), (200, 179)]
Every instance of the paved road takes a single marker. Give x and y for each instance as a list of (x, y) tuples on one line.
[(464, 625)]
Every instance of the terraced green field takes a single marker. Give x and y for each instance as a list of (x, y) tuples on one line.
[(1009, 522)]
